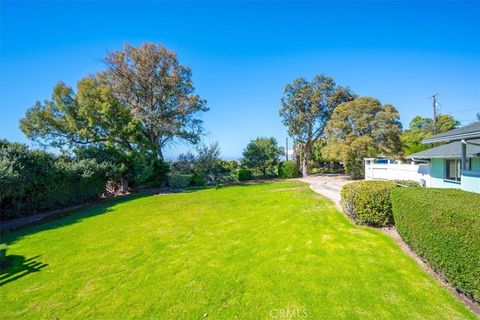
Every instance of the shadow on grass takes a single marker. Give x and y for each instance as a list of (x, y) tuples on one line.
[(68, 218), (17, 267)]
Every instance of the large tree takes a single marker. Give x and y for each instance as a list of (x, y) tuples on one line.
[(421, 128), (262, 154), (362, 128), (90, 116), (159, 91), (306, 109)]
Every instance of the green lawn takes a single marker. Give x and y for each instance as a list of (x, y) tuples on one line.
[(263, 251)]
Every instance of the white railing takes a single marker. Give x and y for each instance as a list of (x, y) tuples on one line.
[(395, 171)]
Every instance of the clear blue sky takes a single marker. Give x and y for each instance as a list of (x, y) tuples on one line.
[(243, 54)]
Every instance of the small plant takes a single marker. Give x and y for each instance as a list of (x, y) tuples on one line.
[(178, 181), (244, 174), (287, 170)]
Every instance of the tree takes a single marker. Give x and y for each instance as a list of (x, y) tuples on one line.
[(421, 128), (206, 163), (262, 154), (91, 116), (362, 128), (159, 91), (306, 109)]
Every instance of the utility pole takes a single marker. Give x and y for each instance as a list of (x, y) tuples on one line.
[(434, 104), (286, 148)]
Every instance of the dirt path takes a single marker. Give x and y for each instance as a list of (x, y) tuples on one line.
[(329, 186)]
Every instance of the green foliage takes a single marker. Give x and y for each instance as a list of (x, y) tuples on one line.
[(307, 107), (141, 103), (92, 116), (244, 174), (262, 154), (407, 183), (158, 91), (443, 226), (368, 202), (228, 166), (362, 128), (150, 173), (198, 180), (421, 128), (287, 169), (206, 165), (178, 180), (33, 180), (327, 170)]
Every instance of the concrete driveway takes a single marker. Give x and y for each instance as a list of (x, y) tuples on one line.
[(328, 185)]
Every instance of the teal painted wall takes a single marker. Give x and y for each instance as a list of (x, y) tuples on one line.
[(437, 175), (471, 179)]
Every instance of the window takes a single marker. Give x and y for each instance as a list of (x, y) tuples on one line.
[(453, 169)]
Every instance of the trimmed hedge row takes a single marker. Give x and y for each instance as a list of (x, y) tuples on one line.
[(368, 202), (33, 180), (443, 226)]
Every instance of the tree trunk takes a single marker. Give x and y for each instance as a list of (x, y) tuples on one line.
[(159, 152), (304, 165)]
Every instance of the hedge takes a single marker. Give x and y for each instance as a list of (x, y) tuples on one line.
[(178, 180), (443, 227), (287, 170), (33, 180), (368, 202)]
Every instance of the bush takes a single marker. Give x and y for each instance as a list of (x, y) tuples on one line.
[(368, 202), (244, 174), (178, 180), (32, 180), (198, 180), (287, 169), (443, 227)]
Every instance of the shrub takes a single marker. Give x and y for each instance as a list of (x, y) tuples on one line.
[(443, 227), (287, 170), (262, 154), (244, 174), (198, 180), (178, 180), (368, 202), (150, 173), (32, 180)]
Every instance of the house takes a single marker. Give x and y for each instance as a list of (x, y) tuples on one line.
[(455, 164)]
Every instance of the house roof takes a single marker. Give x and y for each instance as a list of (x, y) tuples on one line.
[(471, 131), (449, 150)]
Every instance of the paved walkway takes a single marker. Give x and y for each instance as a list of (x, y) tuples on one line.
[(328, 186)]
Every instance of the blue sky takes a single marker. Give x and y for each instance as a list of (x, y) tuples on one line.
[(243, 54)]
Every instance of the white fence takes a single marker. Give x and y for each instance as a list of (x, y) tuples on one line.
[(395, 171)]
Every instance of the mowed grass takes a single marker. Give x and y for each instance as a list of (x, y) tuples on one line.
[(266, 251)]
